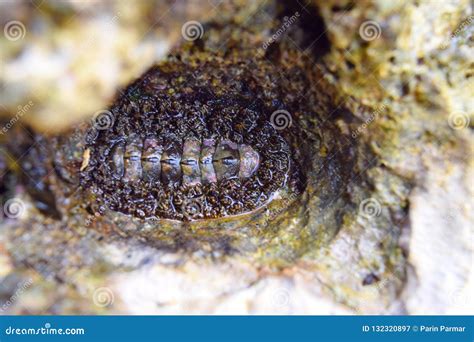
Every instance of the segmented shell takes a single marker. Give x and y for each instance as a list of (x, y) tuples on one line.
[(188, 156)]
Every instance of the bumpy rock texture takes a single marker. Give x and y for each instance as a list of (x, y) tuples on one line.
[(384, 151), (414, 60)]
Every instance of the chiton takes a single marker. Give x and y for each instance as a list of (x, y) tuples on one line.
[(189, 163), (190, 155)]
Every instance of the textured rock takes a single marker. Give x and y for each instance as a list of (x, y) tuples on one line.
[(413, 60), (384, 225)]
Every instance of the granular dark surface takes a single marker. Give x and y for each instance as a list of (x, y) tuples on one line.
[(188, 143)]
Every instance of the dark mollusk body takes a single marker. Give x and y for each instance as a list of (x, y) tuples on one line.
[(193, 155)]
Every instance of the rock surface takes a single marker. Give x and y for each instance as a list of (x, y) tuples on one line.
[(395, 238)]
